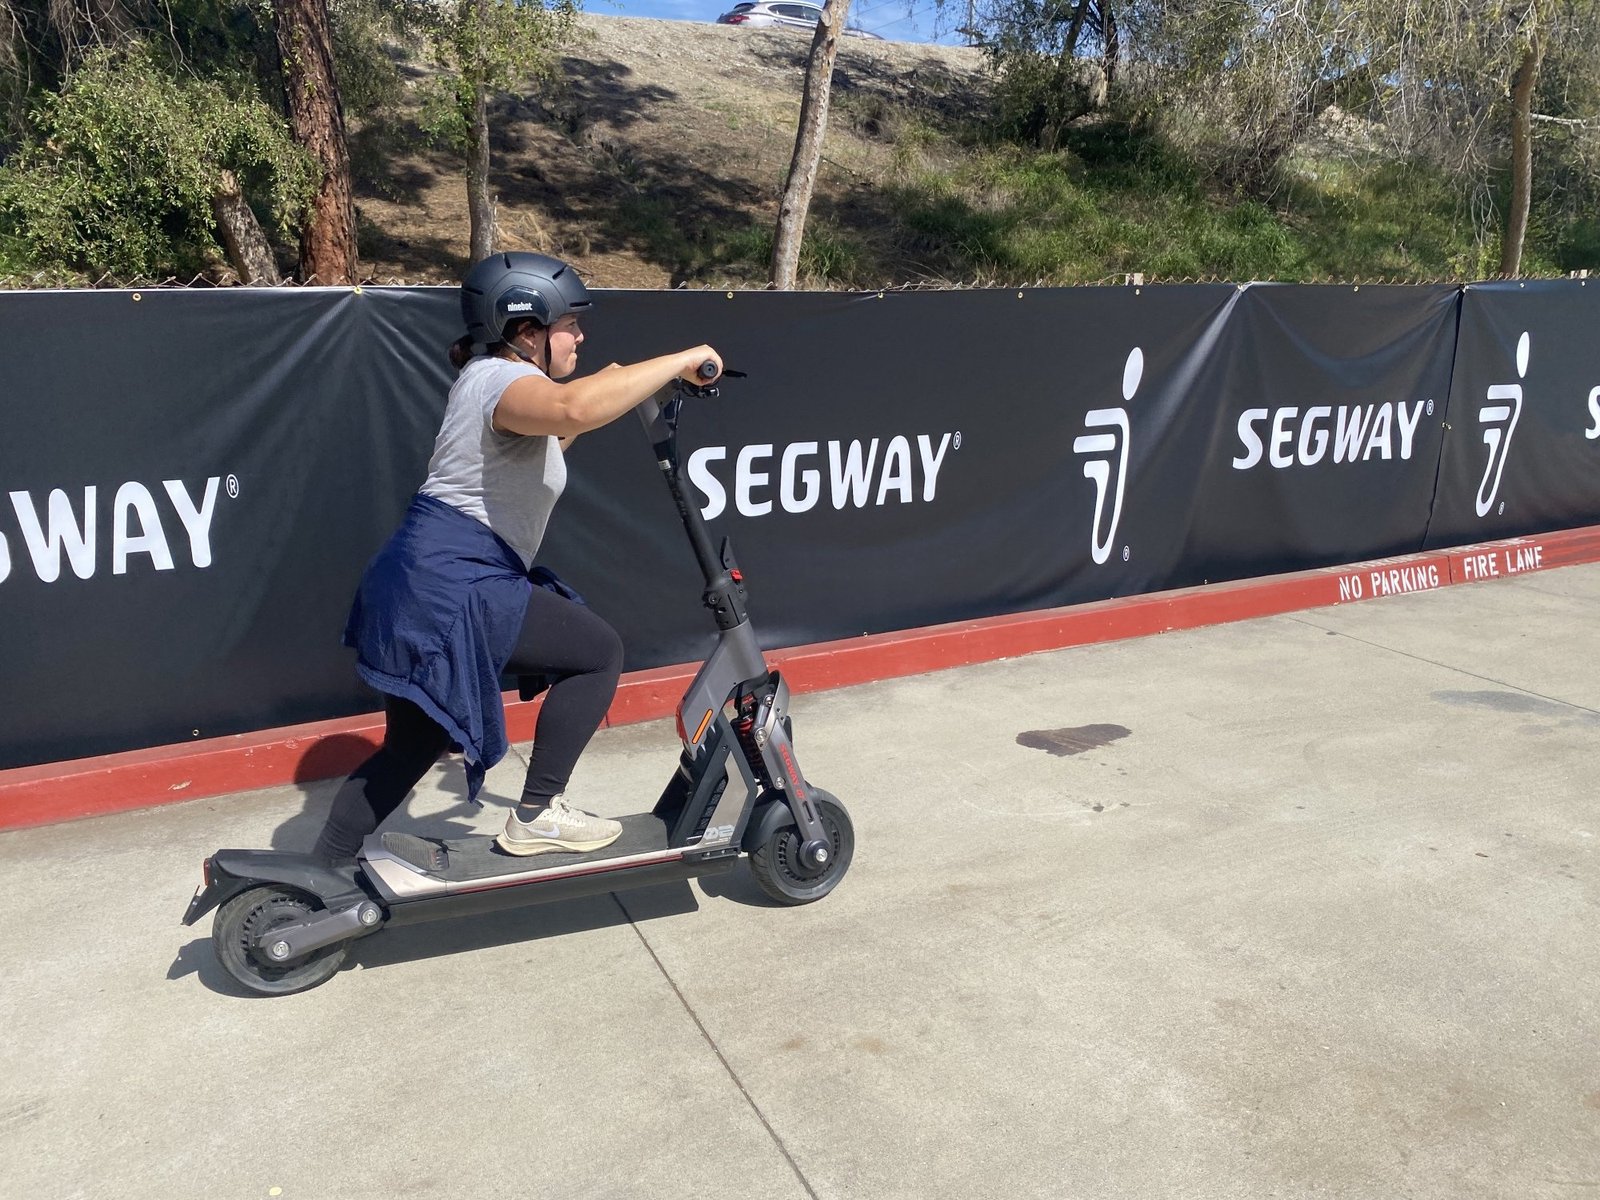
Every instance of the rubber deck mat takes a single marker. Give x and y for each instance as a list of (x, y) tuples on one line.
[(479, 857)]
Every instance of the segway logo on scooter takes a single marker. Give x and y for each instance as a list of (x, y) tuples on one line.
[(137, 528), (1499, 421), (1106, 448), (794, 773)]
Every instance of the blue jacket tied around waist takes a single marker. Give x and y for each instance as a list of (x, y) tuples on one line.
[(436, 619)]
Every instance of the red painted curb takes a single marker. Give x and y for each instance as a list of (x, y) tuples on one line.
[(327, 749)]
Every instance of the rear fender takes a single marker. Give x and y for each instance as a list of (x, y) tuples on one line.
[(229, 872)]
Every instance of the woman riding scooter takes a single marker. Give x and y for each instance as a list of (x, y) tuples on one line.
[(453, 600)]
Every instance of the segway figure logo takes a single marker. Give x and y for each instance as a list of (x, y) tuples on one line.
[(1499, 421), (1103, 446)]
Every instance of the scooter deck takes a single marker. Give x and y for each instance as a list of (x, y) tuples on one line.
[(460, 860)]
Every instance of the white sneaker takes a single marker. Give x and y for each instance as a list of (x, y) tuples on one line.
[(559, 827)]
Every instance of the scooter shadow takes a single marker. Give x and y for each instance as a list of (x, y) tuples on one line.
[(736, 885), (458, 935), (558, 918)]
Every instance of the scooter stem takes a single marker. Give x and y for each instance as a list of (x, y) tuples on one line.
[(725, 594)]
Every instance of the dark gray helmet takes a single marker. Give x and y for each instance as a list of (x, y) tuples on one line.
[(505, 287)]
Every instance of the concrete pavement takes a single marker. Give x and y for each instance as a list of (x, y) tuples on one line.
[(1298, 906)]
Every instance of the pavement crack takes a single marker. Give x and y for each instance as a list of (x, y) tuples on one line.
[(1433, 662), (717, 1050)]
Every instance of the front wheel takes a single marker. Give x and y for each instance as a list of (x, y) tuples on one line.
[(778, 869), (241, 922)]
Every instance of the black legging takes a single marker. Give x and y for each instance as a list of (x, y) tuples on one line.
[(561, 640)]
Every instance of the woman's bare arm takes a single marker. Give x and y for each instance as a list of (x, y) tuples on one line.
[(535, 404)]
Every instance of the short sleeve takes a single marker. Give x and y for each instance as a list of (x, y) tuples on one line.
[(493, 377)]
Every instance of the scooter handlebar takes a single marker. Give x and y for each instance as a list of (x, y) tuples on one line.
[(649, 409)]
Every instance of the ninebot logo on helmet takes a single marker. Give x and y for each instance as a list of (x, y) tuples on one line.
[(518, 301), (1499, 421), (1103, 446)]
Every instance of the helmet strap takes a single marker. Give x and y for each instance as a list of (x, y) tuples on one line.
[(532, 362)]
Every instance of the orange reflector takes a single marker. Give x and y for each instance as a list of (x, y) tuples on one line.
[(704, 721)]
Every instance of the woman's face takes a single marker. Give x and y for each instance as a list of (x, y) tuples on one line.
[(565, 338)]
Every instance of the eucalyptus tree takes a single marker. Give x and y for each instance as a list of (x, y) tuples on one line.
[(1475, 84), (482, 48), (1056, 60), (807, 157)]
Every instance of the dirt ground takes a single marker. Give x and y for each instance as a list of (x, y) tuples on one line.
[(657, 140)]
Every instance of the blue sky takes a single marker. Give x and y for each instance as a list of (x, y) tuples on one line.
[(902, 20)]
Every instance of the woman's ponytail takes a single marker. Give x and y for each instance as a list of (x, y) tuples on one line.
[(461, 351)]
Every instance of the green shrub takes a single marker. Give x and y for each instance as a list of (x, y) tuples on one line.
[(120, 170), (1580, 247), (829, 256)]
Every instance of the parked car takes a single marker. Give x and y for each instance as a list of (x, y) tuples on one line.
[(781, 14)]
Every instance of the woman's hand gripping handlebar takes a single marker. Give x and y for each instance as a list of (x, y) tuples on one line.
[(704, 376), (703, 366), (659, 413)]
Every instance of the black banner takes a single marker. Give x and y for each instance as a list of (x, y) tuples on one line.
[(1523, 450), (195, 480), (891, 462), (1323, 410)]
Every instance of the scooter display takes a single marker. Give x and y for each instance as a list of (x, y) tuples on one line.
[(285, 922)]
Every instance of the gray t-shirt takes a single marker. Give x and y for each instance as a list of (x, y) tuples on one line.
[(507, 481)]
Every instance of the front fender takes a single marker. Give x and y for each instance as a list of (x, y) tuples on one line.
[(771, 815)]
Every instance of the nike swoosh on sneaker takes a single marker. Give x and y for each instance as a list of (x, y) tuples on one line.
[(554, 832)]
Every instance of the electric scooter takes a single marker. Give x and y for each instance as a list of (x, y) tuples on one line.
[(285, 922)]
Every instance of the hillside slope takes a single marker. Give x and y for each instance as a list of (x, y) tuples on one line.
[(656, 157)]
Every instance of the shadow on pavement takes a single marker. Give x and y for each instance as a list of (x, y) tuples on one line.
[(197, 958), (323, 769), (435, 939), (736, 885)]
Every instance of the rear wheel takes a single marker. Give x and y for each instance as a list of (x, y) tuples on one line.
[(777, 866), (242, 921)]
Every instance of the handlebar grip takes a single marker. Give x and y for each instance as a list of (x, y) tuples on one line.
[(707, 370)]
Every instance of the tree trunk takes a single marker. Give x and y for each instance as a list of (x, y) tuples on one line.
[(1111, 41), (1522, 85), (480, 204), (1069, 48), (1096, 87), (807, 146), (246, 245), (328, 238)]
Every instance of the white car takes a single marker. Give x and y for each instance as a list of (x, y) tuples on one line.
[(785, 14)]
